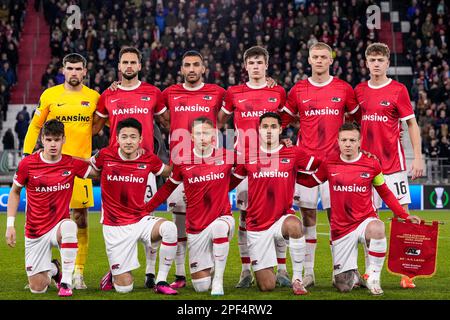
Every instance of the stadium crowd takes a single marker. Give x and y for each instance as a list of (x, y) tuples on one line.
[(285, 29), (12, 14), (164, 30), (427, 51)]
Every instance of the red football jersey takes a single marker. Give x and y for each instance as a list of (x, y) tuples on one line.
[(206, 181), (186, 105), (271, 180), (124, 185), (49, 188), (321, 109), (351, 192), (140, 102), (382, 110), (248, 103)]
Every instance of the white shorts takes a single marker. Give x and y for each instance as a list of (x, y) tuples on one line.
[(242, 195), (261, 245), (175, 201), (121, 243), (309, 197), (38, 252), (151, 189), (345, 249), (200, 246), (398, 184)]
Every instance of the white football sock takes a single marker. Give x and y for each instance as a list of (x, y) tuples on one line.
[(180, 221), (377, 254), (69, 248), (167, 250), (243, 246), (221, 247), (297, 251), (311, 244)]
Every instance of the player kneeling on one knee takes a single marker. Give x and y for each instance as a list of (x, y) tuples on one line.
[(124, 174), (48, 177), (151, 231), (209, 221), (269, 222)]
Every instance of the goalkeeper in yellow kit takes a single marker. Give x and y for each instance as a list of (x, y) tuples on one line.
[(73, 104)]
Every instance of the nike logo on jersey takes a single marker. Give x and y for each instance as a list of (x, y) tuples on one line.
[(240, 101), (176, 98), (36, 177), (84, 203), (400, 198), (60, 104), (111, 164), (187, 169), (253, 162), (334, 174), (114, 100), (305, 101)]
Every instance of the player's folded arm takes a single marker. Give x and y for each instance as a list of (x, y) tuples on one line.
[(308, 180), (388, 197), (162, 194)]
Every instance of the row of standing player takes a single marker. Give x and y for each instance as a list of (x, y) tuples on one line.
[(247, 102)]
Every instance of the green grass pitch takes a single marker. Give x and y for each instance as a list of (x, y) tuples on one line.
[(13, 277)]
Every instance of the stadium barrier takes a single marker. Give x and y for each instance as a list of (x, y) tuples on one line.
[(422, 197)]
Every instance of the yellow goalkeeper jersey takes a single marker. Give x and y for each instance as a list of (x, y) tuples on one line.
[(75, 109)]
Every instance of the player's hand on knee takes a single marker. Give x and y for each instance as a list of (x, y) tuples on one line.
[(414, 219), (11, 236), (114, 86)]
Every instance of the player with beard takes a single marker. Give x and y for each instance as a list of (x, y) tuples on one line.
[(142, 101), (73, 104), (186, 102), (247, 102)]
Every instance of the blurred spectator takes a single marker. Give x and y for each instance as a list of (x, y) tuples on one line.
[(8, 140), (24, 113), (432, 152), (99, 141), (164, 30), (21, 128), (8, 74), (444, 152)]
